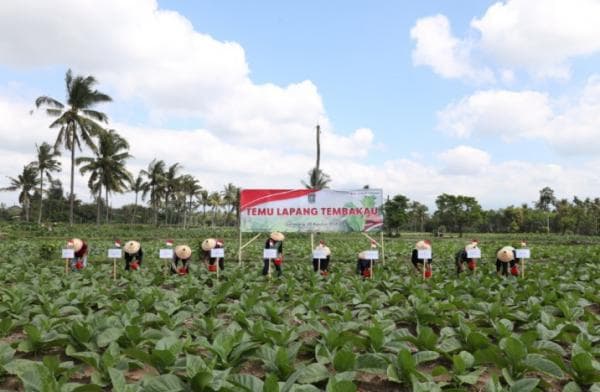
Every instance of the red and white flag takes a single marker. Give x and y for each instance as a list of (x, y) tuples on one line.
[(169, 242), (118, 243)]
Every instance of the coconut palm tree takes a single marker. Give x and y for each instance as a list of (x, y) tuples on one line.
[(45, 164), (25, 183), (317, 179), (215, 202), (230, 198), (172, 184), (77, 121), (136, 187), (192, 189), (107, 168), (155, 175)]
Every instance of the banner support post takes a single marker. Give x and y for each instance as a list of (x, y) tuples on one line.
[(240, 247), (382, 249), (312, 241)]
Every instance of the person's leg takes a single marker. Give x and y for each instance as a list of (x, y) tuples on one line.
[(278, 269), (126, 264), (325, 265), (222, 264), (498, 266), (265, 269), (315, 264)]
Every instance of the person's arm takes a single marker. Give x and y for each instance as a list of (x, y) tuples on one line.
[(280, 249)]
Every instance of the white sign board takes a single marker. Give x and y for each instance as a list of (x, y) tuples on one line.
[(474, 253), (523, 253), (319, 254), (115, 253), (217, 252), (270, 253), (372, 254), (68, 253), (165, 253), (424, 254)]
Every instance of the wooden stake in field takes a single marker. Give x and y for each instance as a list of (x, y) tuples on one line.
[(114, 269), (371, 269), (67, 261), (523, 268), (382, 250)]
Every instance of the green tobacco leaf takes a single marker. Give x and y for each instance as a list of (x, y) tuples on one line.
[(541, 364), (525, 385), (425, 356), (572, 387), (472, 377), (271, 384), (344, 360), (108, 336), (163, 383), (371, 363), (313, 373), (247, 382)]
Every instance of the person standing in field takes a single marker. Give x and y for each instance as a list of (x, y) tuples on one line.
[(182, 255), (275, 241), (133, 254), (506, 256), (418, 263), (211, 263), (363, 264), (324, 268), (461, 258), (80, 247)]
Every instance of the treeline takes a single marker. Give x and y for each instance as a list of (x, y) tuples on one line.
[(460, 214)]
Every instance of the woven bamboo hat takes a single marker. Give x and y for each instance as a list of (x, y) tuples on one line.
[(132, 247), (183, 251), (277, 236), (505, 254), (77, 244), (472, 245), (209, 244)]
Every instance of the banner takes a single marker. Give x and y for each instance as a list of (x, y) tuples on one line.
[(306, 210)]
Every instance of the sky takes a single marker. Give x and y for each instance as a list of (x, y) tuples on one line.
[(491, 99)]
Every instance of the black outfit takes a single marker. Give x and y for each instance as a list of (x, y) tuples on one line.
[(460, 259), (415, 258), (138, 256), (212, 260), (500, 265), (175, 264), (362, 265), (324, 264), (271, 244)]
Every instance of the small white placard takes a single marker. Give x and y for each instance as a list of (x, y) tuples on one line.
[(424, 254), (474, 253), (115, 253), (270, 253), (523, 253), (165, 253), (319, 254), (217, 252), (68, 253), (372, 254)]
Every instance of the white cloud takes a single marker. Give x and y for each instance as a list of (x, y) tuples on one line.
[(464, 160), (448, 56), (157, 57), (538, 36), (569, 125)]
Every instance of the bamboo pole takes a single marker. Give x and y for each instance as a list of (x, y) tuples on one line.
[(114, 269), (382, 249)]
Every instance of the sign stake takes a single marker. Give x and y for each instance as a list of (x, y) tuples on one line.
[(114, 269)]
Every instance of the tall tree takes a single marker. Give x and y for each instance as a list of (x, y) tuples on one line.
[(418, 214), (107, 168), (395, 213), (215, 202), (136, 187), (172, 184), (78, 121), (191, 188), (155, 176), (45, 163), (317, 179), (25, 183), (546, 200), (230, 198), (457, 211)]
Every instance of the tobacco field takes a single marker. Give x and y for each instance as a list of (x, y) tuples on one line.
[(148, 331)]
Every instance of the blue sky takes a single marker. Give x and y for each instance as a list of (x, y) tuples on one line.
[(490, 99)]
